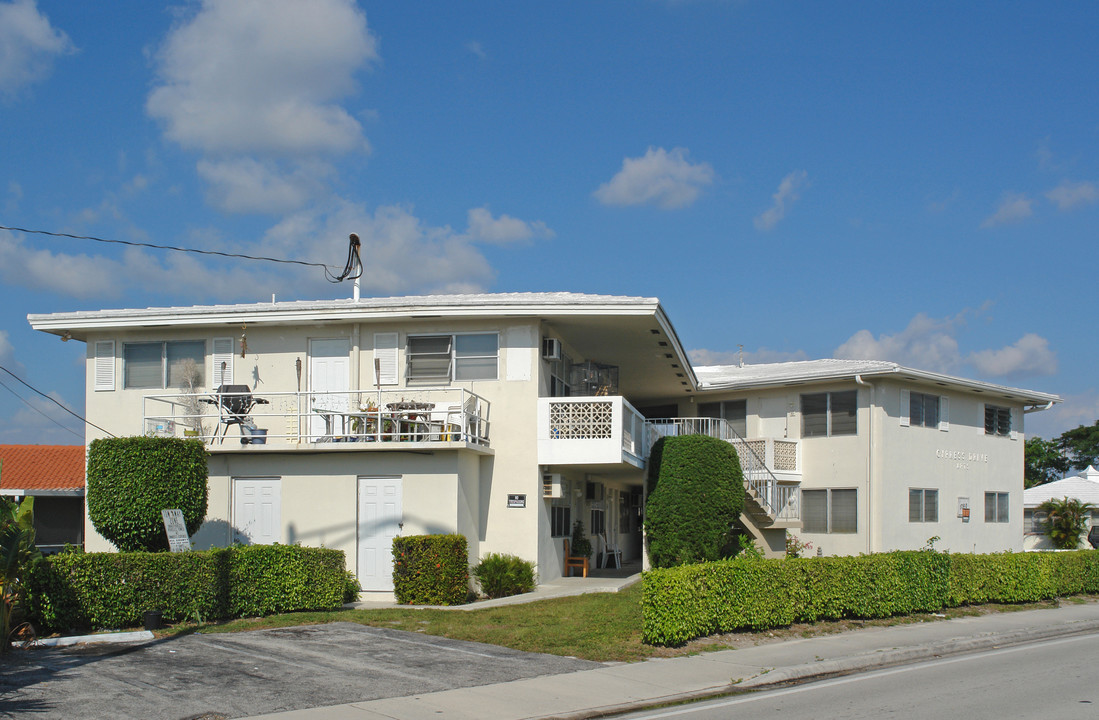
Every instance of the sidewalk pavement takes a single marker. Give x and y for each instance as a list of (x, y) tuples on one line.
[(620, 687)]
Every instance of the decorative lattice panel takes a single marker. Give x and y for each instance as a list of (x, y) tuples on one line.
[(786, 455), (581, 421)]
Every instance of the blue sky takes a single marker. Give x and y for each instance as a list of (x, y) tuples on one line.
[(915, 182)]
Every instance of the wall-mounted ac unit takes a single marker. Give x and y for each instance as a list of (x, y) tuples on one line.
[(551, 348), (553, 486)]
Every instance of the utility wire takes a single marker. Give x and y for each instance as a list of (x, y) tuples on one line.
[(352, 269), (78, 417), (39, 411)]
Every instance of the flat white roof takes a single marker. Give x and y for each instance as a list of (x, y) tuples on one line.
[(1083, 487), (735, 377)]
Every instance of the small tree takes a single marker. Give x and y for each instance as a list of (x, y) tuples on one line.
[(17, 554), (131, 479), (190, 382), (696, 494), (1066, 520)]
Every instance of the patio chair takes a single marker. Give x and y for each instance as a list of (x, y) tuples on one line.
[(611, 552), (234, 402)]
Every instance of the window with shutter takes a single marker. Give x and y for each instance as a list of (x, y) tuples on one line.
[(385, 353), (104, 365), (223, 358)]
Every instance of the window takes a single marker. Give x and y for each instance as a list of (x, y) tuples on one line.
[(453, 357), (829, 511), (159, 365), (559, 371), (923, 505), (996, 507), (827, 414), (1035, 521), (923, 410), (598, 521), (997, 420), (560, 520), (735, 412)]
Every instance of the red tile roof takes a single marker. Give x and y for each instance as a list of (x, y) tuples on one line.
[(42, 467)]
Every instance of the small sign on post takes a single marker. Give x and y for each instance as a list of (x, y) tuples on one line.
[(178, 539)]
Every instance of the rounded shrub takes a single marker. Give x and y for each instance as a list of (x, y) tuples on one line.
[(501, 575), (131, 479), (696, 493)]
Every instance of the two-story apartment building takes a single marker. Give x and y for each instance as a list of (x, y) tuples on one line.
[(508, 417)]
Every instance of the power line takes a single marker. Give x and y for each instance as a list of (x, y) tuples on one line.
[(352, 269), (78, 417), (39, 411)]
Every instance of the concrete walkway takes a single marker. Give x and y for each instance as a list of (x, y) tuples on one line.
[(620, 687)]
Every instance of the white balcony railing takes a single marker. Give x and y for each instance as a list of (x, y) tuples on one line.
[(428, 415), (591, 430)]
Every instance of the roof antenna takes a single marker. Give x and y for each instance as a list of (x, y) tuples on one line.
[(740, 354), (355, 249)]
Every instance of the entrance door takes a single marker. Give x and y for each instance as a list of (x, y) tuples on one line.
[(329, 382), (257, 511), (380, 519)]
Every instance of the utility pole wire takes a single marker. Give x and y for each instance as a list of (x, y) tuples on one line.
[(81, 419), (39, 411)]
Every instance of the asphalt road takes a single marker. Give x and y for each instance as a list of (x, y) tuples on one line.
[(1049, 679), (249, 673)]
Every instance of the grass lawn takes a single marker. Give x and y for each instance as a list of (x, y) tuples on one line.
[(598, 626)]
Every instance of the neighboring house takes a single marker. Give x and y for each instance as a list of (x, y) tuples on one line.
[(54, 476), (1084, 486), (887, 456), (508, 417)]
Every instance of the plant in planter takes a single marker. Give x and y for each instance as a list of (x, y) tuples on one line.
[(190, 383), (579, 546)]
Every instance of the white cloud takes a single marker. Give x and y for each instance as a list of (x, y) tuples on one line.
[(789, 190), (1068, 195), (28, 45), (665, 179), (1013, 208), (1030, 355), (1077, 409), (7, 352), (260, 80), (702, 356), (504, 229), (244, 185), (477, 49), (926, 344)]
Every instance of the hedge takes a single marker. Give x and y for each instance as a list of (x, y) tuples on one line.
[(131, 479), (682, 603), (73, 591), (430, 570), (696, 494)]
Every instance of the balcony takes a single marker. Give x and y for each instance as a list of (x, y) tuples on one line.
[(591, 431), (237, 419)]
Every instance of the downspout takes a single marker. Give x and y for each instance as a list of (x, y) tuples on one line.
[(869, 465)]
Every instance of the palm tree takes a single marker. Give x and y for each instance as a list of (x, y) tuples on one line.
[(1066, 520)]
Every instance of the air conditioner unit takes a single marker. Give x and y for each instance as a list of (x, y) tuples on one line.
[(551, 348), (553, 486)]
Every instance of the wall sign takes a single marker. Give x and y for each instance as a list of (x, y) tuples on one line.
[(517, 501), (178, 539)]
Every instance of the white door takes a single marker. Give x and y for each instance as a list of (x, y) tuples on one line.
[(257, 511), (380, 520), (329, 381)]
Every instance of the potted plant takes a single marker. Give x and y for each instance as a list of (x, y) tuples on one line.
[(580, 545)]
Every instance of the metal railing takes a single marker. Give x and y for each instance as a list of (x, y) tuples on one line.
[(781, 501), (421, 415)]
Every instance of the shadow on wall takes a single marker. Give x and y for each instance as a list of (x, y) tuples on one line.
[(212, 534), (220, 533)]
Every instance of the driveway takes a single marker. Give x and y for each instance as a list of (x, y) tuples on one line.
[(249, 673)]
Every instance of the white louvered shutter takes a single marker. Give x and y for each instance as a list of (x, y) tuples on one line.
[(385, 352), (104, 365)]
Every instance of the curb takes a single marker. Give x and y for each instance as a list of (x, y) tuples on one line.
[(899, 656), (118, 637), (841, 666)]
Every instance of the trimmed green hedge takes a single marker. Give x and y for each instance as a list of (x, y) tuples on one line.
[(131, 479), (682, 603), (430, 570), (113, 590), (696, 494)]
